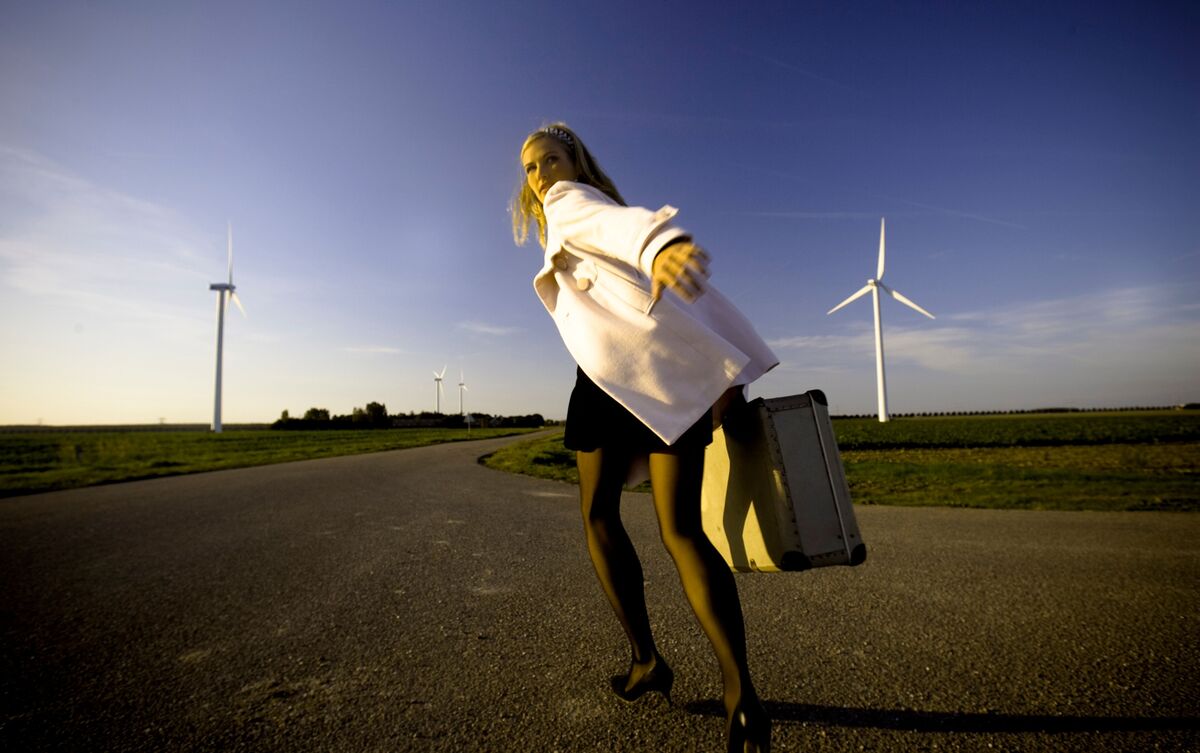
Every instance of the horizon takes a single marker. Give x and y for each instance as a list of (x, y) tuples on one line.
[(1037, 169), (229, 426)]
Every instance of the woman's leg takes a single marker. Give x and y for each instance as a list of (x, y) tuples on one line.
[(601, 477), (707, 581)]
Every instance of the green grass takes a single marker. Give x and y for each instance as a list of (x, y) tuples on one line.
[(45, 461), (543, 457), (1096, 461), (1087, 477), (1020, 430)]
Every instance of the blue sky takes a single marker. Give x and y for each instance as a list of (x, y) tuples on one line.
[(1037, 164)]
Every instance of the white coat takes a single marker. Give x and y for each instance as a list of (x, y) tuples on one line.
[(667, 363)]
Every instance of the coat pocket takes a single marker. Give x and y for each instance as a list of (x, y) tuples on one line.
[(630, 293)]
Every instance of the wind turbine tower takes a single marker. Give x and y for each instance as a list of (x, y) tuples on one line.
[(873, 287), (437, 387), (222, 289), (462, 387)]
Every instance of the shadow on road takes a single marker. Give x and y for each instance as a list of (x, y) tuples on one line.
[(939, 721)]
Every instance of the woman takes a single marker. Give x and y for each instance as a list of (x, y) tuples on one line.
[(655, 374)]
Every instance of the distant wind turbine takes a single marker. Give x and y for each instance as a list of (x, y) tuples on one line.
[(873, 287), (222, 304), (462, 387), (437, 387)]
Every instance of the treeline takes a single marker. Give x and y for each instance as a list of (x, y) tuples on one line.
[(1188, 406), (376, 416)]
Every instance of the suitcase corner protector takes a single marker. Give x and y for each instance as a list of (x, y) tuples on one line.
[(858, 555)]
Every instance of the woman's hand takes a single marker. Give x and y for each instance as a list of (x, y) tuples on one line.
[(682, 267)]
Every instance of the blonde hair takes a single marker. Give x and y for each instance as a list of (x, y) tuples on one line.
[(525, 207)]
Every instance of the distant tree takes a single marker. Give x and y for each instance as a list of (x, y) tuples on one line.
[(316, 414), (284, 416), (377, 414)]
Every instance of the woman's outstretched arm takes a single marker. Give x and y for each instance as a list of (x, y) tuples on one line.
[(586, 218)]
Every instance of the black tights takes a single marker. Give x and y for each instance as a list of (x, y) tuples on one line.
[(707, 580)]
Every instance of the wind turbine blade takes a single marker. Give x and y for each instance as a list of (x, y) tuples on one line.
[(439, 376), (899, 297), (865, 289), (879, 272), (436, 376), (230, 245), (234, 297)]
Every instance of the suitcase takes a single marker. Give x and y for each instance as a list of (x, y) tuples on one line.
[(775, 495)]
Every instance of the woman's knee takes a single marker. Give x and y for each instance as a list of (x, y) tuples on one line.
[(600, 512), (598, 505), (681, 538)]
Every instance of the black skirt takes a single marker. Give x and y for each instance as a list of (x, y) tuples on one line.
[(596, 421)]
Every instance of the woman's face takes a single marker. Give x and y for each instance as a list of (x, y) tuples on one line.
[(546, 162)]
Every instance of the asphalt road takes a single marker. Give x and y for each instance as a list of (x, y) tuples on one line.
[(414, 600)]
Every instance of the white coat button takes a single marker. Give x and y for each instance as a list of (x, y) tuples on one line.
[(561, 263), (583, 283)]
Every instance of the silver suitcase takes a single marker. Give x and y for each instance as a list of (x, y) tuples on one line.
[(775, 495)]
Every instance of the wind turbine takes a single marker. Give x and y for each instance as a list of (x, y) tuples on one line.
[(462, 387), (222, 304), (437, 387), (873, 287)]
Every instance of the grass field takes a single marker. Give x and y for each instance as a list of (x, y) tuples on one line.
[(1089, 461), (48, 460)]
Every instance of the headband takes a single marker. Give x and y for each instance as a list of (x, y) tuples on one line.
[(561, 135)]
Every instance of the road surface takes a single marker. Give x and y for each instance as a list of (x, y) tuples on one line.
[(417, 601)]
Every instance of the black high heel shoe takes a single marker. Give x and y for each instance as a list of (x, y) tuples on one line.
[(748, 730), (659, 679)]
